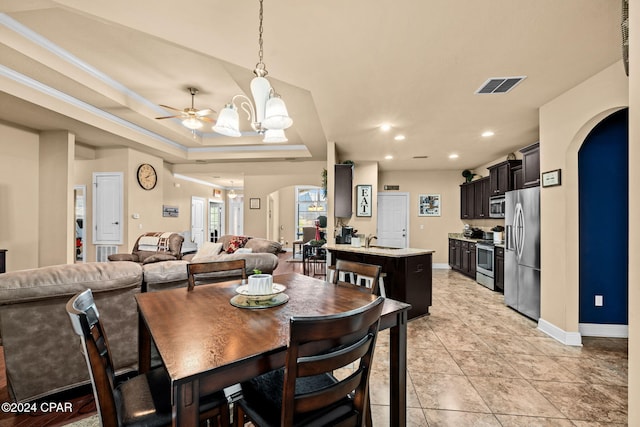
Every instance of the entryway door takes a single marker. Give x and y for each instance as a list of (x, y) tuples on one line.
[(197, 220), (393, 220)]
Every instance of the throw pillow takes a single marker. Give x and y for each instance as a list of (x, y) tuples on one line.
[(207, 249), (244, 251), (236, 243)]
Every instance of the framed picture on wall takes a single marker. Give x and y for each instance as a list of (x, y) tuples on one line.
[(363, 200), (429, 205), (254, 203)]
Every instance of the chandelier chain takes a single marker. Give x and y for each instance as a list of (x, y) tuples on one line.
[(260, 49)]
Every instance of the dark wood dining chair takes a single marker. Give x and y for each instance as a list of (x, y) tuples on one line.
[(143, 400), (305, 392), (210, 268), (364, 277)]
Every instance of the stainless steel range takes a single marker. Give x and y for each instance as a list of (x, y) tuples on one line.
[(485, 267)]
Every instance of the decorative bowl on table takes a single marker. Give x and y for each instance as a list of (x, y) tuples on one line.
[(265, 293)]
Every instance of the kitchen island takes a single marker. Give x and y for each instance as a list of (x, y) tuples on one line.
[(407, 270)]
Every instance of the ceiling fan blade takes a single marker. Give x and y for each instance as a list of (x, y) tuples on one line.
[(205, 112), (206, 119), (168, 117), (170, 108)]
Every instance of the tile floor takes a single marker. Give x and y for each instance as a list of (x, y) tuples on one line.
[(476, 362)]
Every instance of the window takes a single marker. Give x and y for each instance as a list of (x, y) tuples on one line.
[(311, 204)]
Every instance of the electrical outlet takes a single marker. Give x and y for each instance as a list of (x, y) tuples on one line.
[(599, 301)]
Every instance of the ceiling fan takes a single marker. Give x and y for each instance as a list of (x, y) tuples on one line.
[(191, 118)]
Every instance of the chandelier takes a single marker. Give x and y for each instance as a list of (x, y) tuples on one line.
[(232, 193), (269, 116)]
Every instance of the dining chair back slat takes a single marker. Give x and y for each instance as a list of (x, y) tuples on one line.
[(364, 277), (201, 269)]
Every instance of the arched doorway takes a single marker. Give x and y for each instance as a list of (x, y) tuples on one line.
[(603, 177)]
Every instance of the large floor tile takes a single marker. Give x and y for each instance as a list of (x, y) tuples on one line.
[(540, 367), (514, 397), (484, 364), (441, 418), (427, 360), (442, 391), (380, 417), (520, 421), (586, 402)]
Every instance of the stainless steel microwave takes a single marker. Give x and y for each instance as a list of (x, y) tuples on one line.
[(497, 206)]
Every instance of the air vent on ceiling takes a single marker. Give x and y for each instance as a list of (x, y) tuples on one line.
[(500, 84)]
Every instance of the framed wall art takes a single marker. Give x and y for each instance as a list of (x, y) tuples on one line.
[(363, 200), (429, 205), (254, 203), (552, 178)]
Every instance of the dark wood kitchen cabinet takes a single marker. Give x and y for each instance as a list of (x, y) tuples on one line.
[(500, 177), (499, 269), (455, 254), (531, 165), (3, 261), (342, 195), (467, 200), (462, 257), (481, 200), (518, 179)]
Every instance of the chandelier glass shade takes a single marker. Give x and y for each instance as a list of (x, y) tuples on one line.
[(275, 135), (192, 123), (267, 111)]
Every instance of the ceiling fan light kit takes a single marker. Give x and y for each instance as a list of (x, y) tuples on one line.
[(191, 118), (267, 112)]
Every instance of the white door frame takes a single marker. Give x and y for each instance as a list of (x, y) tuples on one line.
[(199, 240)]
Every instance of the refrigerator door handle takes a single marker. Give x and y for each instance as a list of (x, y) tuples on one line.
[(519, 231), (508, 233)]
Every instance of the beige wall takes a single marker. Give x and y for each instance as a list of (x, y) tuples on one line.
[(260, 186), (287, 215), (430, 232), (634, 209), (564, 124), (19, 198)]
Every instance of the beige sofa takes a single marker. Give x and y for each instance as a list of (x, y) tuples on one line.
[(172, 274), (42, 353)]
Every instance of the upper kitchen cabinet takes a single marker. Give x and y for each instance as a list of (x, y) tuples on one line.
[(500, 177), (343, 191), (467, 199), (531, 165), (481, 205)]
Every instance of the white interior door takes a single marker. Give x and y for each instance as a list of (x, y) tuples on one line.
[(393, 220), (197, 220), (107, 208)]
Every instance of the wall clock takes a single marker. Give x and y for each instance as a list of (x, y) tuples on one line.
[(147, 177)]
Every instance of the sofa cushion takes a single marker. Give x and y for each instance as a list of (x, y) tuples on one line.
[(207, 249), (66, 280), (258, 244), (158, 258), (165, 272)]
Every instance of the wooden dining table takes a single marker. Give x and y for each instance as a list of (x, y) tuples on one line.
[(207, 344)]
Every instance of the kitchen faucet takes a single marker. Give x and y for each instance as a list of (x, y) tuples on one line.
[(367, 241)]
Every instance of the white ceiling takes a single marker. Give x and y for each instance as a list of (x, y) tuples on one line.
[(343, 68)]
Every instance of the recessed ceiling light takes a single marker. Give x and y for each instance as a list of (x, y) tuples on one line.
[(453, 156), (399, 137), (389, 157), (487, 134), (385, 127)]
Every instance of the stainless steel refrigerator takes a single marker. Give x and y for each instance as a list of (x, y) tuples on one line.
[(522, 251)]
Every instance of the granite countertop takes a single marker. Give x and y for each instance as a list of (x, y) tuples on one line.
[(460, 236), (375, 250)]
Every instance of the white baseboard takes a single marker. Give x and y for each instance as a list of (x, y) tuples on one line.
[(441, 267), (604, 330), (567, 338)]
